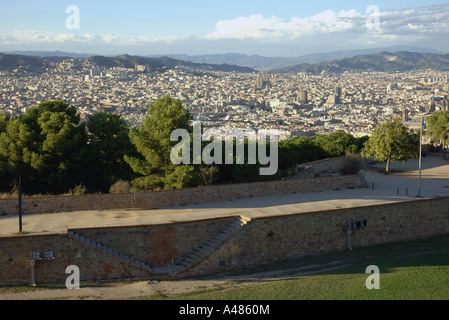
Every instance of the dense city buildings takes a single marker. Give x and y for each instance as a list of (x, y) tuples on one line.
[(294, 104)]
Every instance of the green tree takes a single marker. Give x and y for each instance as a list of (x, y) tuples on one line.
[(46, 145), (109, 141), (3, 121), (438, 128), (299, 150), (152, 141), (392, 142), (336, 144)]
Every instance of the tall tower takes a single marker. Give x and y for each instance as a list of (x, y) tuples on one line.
[(338, 92), (303, 96), (405, 115)]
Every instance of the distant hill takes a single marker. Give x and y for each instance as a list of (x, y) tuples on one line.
[(158, 63), (13, 61), (381, 62), (256, 61)]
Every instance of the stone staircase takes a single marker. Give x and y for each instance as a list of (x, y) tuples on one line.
[(202, 252), (98, 245), (194, 258)]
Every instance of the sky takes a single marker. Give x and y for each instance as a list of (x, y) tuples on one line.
[(276, 28)]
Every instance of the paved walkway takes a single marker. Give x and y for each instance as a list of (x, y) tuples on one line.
[(435, 183)]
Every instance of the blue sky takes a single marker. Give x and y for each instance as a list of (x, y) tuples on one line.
[(270, 28)]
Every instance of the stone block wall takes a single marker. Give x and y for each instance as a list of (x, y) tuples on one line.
[(244, 190), (262, 240), (94, 265), (282, 237), (157, 245), (32, 205), (145, 200)]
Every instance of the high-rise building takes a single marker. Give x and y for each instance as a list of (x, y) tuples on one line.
[(303, 96), (94, 73), (20, 84), (338, 91), (405, 115)]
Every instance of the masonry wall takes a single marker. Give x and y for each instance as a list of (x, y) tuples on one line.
[(93, 264), (244, 190), (144, 200), (262, 240), (157, 245), (282, 237), (32, 205)]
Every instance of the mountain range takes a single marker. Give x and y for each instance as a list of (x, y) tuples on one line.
[(381, 62), (261, 62), (384, 61), (10, 61), (251, 61)]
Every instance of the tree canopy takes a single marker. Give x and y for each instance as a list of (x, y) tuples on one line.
[(438, 127), (45, 146), (108, 143), (392, 142), (152, 141)]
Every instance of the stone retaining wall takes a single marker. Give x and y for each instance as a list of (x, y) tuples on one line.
[(144, 200), (32, 205), (262, 240), (244, 190)]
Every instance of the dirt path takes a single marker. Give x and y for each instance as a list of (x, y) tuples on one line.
[(119, 291)]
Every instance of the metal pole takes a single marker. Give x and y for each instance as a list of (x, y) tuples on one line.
[(364, 169), (33, 272), (348, 236), (420, 158), (20, 204)]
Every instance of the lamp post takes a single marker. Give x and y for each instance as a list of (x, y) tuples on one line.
[(420, 158), (20, 204)]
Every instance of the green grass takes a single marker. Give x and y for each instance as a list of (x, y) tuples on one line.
[(413, 283), (417, 270)]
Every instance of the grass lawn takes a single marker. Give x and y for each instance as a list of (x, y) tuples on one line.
[(416, 270)]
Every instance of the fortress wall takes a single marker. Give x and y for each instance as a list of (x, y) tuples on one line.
[(244, 190), (93, 264), (263, 240), (144, 200), (157, 245), (33, 205), (272, 239)]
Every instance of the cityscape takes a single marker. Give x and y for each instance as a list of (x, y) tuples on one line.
[(295, 104), (111, 187)]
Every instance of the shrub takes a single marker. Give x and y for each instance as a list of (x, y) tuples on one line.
[(78, 190), (352, 164), (120, 186)]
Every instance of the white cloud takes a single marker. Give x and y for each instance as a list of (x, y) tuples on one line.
[(37, 37), (418, 20), (260, 27), (323, 30)]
